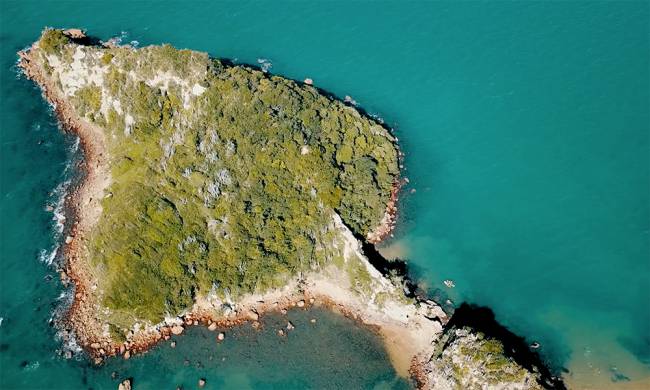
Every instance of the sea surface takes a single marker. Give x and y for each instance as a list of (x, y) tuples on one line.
[(527, 139)]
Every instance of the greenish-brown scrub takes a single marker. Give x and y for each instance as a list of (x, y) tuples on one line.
[(223, 178), (466, 359)]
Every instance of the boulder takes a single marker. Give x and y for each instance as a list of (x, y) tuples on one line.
[(177, 329), (75, 33), (300, 303), (201, 382), (253, 315), (221, 336), (290, 326), (434, 312), (212, 327), (125, 385)]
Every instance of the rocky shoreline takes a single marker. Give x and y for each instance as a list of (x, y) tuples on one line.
[(81, 324), (409, 326)]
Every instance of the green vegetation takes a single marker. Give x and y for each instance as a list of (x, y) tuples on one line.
[(107, 58), (471, 361), (496, 366), (52, 41), (88, 100), (224, 179)]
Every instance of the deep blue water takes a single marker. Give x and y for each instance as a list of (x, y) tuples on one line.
[(527, 139)]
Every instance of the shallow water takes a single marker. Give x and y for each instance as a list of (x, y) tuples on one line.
[(526, 132)]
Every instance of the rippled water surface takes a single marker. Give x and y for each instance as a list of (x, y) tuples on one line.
[(525, 126)]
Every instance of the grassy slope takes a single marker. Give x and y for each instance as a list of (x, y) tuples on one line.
[(230, 189)]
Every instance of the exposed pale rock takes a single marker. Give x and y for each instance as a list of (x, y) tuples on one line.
[(75, 33), (253, 315), (469, 360), (125, 385), (177, 329)]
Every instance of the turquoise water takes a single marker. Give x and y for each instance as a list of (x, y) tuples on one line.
[(525, 126)]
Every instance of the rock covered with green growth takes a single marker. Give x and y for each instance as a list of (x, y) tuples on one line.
[(466, 359), (224, 179)]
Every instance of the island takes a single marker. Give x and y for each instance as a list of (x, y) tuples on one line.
[(212, 193)]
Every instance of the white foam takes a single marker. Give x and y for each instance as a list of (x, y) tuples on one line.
[(48, 257), (265, 64)]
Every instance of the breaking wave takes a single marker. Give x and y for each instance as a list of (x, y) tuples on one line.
[(265, 64)]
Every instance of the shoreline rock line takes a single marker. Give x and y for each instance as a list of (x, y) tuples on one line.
[(79, 320), (411, 328)]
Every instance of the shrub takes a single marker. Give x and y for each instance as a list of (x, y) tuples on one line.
[(214, 189), (52, 41)]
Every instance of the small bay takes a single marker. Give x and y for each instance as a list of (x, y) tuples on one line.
[(527, 140)]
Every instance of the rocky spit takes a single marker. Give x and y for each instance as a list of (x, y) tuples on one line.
[(411, 328)]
